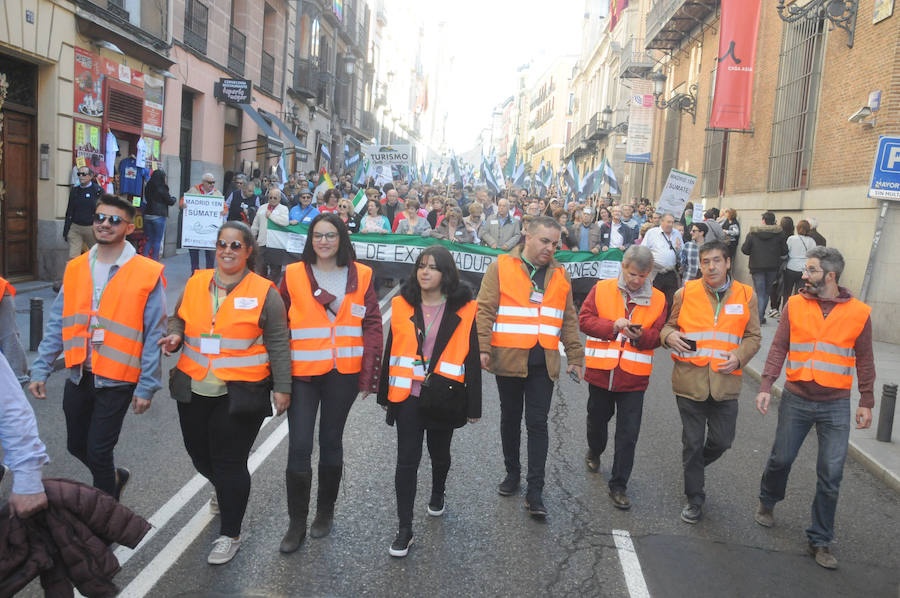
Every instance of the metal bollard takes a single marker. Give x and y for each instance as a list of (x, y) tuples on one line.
[(36, 329), (886, 412)]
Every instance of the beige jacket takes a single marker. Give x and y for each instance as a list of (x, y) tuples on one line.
[(514, 362), (260, 226), (700, 383)]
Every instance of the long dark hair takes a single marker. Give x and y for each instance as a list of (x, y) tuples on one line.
[(248, 239), (345, 252), (787, 225), (412, 292)]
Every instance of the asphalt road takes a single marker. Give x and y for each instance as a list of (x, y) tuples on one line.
[(485, 544)]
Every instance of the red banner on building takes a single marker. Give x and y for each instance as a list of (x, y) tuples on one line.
[(615, 11), (734, 74)]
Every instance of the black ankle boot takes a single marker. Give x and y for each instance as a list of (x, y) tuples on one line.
[(329, 484), (298, 485)]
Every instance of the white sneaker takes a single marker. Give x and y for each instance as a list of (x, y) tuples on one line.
[(224, 549), (214, 503)]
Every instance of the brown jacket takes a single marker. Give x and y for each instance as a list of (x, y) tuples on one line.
[(514, 362), (700, 383)]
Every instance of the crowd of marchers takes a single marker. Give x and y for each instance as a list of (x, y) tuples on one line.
[(306, 339)]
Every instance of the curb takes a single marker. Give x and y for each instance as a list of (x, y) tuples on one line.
[(859, 454)]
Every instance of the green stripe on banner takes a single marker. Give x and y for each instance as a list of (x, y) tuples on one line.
[(404, 249)]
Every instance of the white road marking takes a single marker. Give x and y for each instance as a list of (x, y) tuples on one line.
[(631, 566)]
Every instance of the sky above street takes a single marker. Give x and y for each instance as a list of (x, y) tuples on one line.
[(490, 40)]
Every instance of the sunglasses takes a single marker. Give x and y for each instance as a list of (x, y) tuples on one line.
[(113, 220), (235, 245), (210, 182), (84, 174)]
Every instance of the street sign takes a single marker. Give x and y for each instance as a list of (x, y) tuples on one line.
[(235, 91), (885, 182)]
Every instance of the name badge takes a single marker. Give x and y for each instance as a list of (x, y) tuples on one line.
[(459, 232), (734, 309), (97, 335), (210, 344), (245, 302), (418, 371), (536, 297), (357, 311)]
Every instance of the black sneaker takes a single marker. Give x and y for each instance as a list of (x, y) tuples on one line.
[(122, 477), (535, 506), (691, 513), (436, 504), (400, 545), (592, 461), (509, 485)]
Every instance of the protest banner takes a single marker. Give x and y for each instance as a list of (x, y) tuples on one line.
[(675, 194), (201, 220)]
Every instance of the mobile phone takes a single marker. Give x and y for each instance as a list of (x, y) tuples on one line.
[(690, 343), (634, 327), (574, 377)]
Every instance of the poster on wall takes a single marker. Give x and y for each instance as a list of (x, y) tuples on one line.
[(87, 147), (88, 84), (882, 10), (153, 106)]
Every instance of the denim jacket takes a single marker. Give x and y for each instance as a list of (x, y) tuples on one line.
[(155, 315)]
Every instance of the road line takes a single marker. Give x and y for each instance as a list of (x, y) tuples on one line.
[(631, 566)]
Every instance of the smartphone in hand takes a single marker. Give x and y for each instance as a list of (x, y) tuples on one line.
[(574, 377)]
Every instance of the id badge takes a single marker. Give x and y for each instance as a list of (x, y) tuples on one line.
[(210, 344), (97, 336), (537, 297), (418, 371)]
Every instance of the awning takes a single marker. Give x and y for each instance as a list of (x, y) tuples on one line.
[(288, 133), (260, 122)]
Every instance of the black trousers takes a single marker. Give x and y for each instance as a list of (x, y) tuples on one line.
[(667, 282), (219, 444), (707, 432), (410, 433), (94, 419), (271, 264), (628, 408), (534, 394), (336, 393)]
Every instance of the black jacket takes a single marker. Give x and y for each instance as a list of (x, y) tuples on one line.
[(82, 203), (765, 245), (157, 197), (625, 230), (449, 322)]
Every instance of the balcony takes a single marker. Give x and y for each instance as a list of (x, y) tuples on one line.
[(267, 72), (636, 62), (329, 14), (348, 27), (573, 145), (367, 123), (306, 78), (669, 22), (325, 91), (237, 49), (536, 123), (545, 93), (594, 128)]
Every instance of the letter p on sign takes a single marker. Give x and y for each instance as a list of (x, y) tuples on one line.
[(893, 158)]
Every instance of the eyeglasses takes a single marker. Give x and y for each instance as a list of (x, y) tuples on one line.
[(325, 236), (809, 272), (210, 182), (84, 174), (113, 220), (235, 245)]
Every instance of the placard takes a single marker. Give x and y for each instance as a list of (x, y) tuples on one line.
[(676, 192), (201, 220)]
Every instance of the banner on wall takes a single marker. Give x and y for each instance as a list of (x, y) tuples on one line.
[(733, 96), (89, 75), (615, 11), (153, 106), (640, 121)]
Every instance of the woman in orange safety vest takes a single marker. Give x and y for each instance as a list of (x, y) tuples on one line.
[(231, 327), (336, 339), (432, 341)]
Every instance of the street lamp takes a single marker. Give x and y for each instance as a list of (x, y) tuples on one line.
[(606, 117), (841, 13), (685, 102)]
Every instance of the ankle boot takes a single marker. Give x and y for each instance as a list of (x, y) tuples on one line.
[(298, 485), (329, 484)]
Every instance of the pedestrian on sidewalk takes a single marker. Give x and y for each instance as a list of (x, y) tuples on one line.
[(10, 339), (78, 229), (232, 331), (106, 320), (524, 309), (336, 342), (622, 319), (158, 200), (433, 384), (765, 245), (713, 330), (824, 333)]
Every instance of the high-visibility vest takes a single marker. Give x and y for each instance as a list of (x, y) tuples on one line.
[(520, 323), (319, 345), (5, 286), (242, 353), (606, 355), (405, 349), (821, 348), (716, 337), (120, 314)]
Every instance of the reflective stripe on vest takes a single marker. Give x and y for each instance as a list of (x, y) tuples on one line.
[(405, 348), (822, 349), (607, 355), (120, 313), (716, 338), (520, 323), (319, 345), (242, 353)]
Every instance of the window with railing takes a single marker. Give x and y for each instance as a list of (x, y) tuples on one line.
[(796, 102), (671, 140), (267, 72), (196, 16), (237, 51)]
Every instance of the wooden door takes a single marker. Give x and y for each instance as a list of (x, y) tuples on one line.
[(18, 210)]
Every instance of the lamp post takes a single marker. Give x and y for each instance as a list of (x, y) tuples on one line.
[(685, 102)]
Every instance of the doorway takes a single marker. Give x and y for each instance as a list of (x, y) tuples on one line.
[(18, 207)]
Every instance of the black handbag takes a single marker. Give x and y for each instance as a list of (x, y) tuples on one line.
[(250, 398), (443, 399)]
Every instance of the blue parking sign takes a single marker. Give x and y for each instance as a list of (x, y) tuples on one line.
[(886, 172)]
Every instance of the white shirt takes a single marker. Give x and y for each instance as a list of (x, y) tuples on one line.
[(615, 237), (664, 258)]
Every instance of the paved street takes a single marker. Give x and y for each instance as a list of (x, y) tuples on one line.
[(486, 544)]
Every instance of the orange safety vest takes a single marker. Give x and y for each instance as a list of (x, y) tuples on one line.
[(405, 349), (5, 286), (606, 355), (319, 345), (520, 323), (120, 313), (716, 336), (241, 353), (821, 348)]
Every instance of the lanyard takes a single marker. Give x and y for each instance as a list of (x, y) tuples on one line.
[(532, 273), (437, 317), (718, 308), (216, 287), (97, 295)]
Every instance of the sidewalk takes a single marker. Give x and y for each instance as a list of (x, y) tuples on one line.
[(881, 458)]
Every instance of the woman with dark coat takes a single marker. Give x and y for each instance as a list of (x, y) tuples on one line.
[(158, 200), (432, 342)]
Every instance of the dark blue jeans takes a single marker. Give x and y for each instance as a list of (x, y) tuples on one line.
[(335, 393), (762, 284), (155, 229), (209, 256), (628, 408), (795, 418), (533, 394)]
